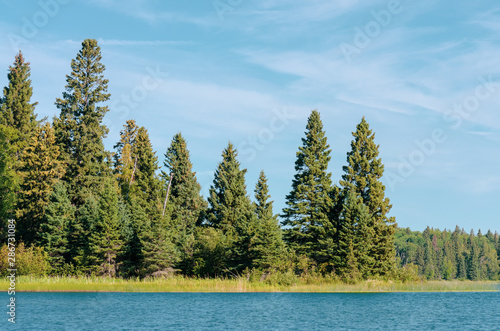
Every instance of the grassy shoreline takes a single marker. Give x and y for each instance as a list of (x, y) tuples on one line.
[(183, 284)]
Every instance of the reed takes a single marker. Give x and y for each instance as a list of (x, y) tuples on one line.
[(186, 284)]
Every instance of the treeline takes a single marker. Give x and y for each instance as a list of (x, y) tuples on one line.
[(450, 255), (80, 209)]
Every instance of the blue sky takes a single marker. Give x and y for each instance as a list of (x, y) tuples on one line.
[(425, 74)]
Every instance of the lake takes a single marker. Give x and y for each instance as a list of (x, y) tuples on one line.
[(254, 311)]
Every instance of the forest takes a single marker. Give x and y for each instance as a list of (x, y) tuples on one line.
[(80, 209)]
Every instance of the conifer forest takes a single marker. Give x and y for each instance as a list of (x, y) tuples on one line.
[(80, 209)]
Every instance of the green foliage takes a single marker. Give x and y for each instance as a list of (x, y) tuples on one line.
[(185, 202), (354, 232), (54, 230), (309, 203), (79, 128), (212, 253), (267, 246), (29, 260), (125, 158), (16, 109), (448, 255), (8, 180), (160, 252), (230, 209), (39, 169), (362, 174), (86, 218), (104, 232)]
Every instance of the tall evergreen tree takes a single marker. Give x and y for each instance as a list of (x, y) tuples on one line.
[(8, 180), (79, 128), (104, 232), (79, 253), (160, 252), (267, 243), (230, 209), (54, 230), (17, 122), (363, 173), (146, 185), (125, 157), (186, 204), (353, 233), (309, 202), (40, 169), (16, 109), (473, 260)]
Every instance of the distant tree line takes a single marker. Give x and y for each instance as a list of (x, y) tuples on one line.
[(450, 255), (80, 209)]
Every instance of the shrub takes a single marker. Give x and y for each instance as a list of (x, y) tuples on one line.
[(28, 260)]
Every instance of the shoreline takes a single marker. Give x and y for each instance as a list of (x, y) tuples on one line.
[(194, 285)]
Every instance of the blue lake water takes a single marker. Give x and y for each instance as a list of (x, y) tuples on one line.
[(254, 311)]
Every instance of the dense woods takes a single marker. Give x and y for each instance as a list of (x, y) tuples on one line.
[(80, 209)]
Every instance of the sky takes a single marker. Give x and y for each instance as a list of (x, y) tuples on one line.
[(425, 74)]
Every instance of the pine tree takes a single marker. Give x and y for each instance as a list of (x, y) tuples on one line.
[(16, 109), (125, 156), (104, 232), (473, 260), (54, 230), (267, 243), (79, 253), (363, 174), (146, 185), (160, 252), (79, 128), (186, 203), (230, 209), (353, 233), (40, 169), (17, 122), (310, 201), (8, 181)]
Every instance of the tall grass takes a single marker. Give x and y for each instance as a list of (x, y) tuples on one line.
[(185, 284)]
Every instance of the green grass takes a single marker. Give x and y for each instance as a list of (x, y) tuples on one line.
[(184, 284)]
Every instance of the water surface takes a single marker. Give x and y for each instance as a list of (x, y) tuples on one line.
[(255, 311)]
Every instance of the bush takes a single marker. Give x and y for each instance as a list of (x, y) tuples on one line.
[(28, 261)]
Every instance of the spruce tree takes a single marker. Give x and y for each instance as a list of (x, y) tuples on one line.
[(160, 252), (40, 169), (473, 258), (79, 253), (8, 181), (54, 230), (230, 209), (309, 202), (104, 232), (362, 174), (267, 243), (16, 109), (146, 185), (354, 232), (125, 158), (79, 128), (186, 203)]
